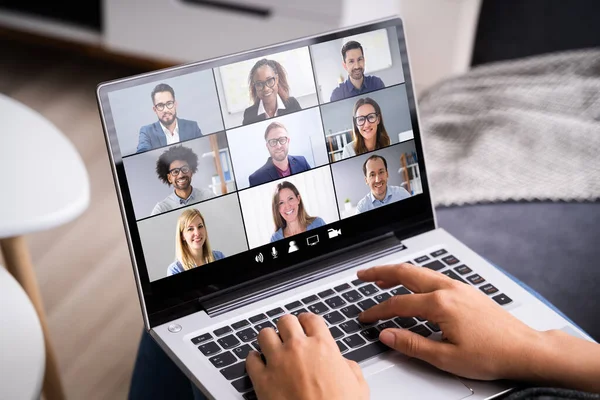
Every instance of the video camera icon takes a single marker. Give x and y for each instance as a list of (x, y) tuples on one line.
[(334, 233)]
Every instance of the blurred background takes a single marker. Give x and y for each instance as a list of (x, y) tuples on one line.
[(55, 53)]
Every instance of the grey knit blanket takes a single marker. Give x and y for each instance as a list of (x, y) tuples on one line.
[(518, 130)]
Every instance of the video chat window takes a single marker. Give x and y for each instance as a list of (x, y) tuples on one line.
[(261, 88), (165, 112)]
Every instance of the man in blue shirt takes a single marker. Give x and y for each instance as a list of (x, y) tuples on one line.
[(376, 177), (357, 83)]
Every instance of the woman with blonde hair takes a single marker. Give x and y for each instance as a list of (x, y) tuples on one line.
[(289, 215), (368, 130), (192, 247)]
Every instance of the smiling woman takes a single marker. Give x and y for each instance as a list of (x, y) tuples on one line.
[(368, 130)]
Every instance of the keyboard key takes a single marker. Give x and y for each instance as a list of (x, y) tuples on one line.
[(502, 299), (421, 330), (475, 279), (370, 334), (463, 269), (256, 346), (228, 342), (263, 325), (386, 325), (210, 348), (326, 293), (242, 351), (451, 274), (333, 317), (276, 319), (242, 385), (380, 298), (342, 287), (488, 289), (366, 304), (318, 308), (438, 253), (405, 322), (369, 351), (234, 371), (310, 299), (450, 260), (351, 311), (368, 290), (357, 282), (247, 335), (341, 346), (352, 296), (223, 360), (202, 338), (298, 312), (399, 291), (293, 305), (240, 324), (335, 302), (350, 326), (353, 341), (257, 318), (432, 326), (250, 396), (222, 331), (420, 319), (275, 311), (435, 265), (422, 259), (336, 333)]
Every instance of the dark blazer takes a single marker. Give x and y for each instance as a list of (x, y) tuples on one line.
[(152, 136), (251, 113), (268, 172)]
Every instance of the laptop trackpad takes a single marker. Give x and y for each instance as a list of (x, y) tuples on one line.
[(412, 379)]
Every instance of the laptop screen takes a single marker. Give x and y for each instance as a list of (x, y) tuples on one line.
[(240, 167)]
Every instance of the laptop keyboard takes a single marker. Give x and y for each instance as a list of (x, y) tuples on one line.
[(227, 347)]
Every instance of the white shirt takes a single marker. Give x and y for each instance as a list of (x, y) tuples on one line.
[(280, 106), (171, 138)]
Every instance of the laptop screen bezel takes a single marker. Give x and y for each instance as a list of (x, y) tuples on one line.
[(413, 215)]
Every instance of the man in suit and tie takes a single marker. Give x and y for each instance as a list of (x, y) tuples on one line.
[(168, 129), (280, 164)]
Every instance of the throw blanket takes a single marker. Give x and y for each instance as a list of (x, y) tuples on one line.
[(516, 130)]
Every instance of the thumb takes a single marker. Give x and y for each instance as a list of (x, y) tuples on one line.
[(255, 367), (414, 345)]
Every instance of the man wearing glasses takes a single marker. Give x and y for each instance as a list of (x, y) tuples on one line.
[(279, 164), (168, 129), (176, 167), (381, 194)]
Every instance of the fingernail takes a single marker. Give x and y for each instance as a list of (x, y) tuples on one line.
[(387, 338)]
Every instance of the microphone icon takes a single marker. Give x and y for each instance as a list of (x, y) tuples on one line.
[(274, 252)]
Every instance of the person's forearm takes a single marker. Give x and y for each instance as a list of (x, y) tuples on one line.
[(559, 359)]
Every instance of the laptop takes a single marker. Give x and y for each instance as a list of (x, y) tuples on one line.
[(248, 191)]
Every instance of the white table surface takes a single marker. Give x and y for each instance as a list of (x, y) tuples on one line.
[(22, 352), (46, 183)]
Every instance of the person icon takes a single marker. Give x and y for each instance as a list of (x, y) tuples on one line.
[(293, 247)]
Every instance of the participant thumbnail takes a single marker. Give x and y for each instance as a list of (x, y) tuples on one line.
[(283, 208), (356, 65), (164, 112), (179, 175), (278, 147), (192, 236), (376, 179), (367, 122), (265, 87)]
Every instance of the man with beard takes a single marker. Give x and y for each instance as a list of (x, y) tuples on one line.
[(168, 129), (280, 164), (176, 167), (357, 83), (376, 177)]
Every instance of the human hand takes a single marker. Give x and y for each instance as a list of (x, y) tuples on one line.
[(305, 363), (482, 341)]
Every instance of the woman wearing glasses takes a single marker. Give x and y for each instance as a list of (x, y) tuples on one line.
[(269, 92), (368, 130), (176, 167), (289, 215), (192, 247)]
